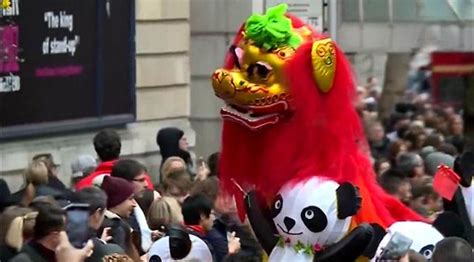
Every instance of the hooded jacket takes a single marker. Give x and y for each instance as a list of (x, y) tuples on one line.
[(168, 141)]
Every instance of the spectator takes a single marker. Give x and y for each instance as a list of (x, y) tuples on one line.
[(396, 148), (16, 228), (97, 201), (396, 185), (435, 140), (415, 137), (107, 145), (226, 221), (381, 165), (82, 167), (449, 149), (135, 173), (379, 143), (199, 220), (120, 205), (170, 165), (178, 185), (213, 163), (36, 181), (49, 223), (164, 212), (145, 199), (452, 249), (425, 200), (433, 160), (53, 180), (412, 166), (172, 142)]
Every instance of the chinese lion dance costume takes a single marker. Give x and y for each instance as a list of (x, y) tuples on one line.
[(292, 133)]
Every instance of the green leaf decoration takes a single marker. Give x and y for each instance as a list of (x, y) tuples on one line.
[(272, 30)]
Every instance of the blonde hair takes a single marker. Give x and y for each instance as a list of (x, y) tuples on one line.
[(17, 224), (164, 211), (166, 169), (36, 173)]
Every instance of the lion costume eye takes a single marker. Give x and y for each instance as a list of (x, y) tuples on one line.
[(259, 71)]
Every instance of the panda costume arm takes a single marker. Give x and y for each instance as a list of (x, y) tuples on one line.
[(260, 219)]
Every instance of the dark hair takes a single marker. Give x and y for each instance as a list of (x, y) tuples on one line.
[(213, 163), (95, 197), (407, 162), (391, 180), (449, 149), (195, 206), (50, 218), (127, 169), (452, 249), (107, 144)]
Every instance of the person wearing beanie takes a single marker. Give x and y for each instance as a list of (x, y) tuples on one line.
[(434, 159), (120, 205), (135, 173), (412, 166)]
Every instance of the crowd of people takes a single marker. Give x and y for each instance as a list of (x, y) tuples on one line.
[(130, 217), (184, 216), (408, 147)]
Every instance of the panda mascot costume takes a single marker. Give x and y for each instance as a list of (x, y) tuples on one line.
[(178, 245), (310, 220)]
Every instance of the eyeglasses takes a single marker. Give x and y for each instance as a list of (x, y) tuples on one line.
[(141, 180)]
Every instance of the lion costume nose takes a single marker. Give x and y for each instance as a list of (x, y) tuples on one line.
[(289, 223)]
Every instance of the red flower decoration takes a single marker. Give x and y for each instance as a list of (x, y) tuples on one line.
[(317, 248)]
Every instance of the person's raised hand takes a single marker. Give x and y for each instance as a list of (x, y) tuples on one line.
[(65, 252), (233, 243), (106, 235)]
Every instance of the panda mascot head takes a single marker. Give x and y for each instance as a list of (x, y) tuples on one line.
[(307, 212), (313, 218), (423, 235), (178, 245)]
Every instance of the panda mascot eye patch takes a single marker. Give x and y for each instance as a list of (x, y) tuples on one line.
[(427, 251), (314, 219), (277, 206)]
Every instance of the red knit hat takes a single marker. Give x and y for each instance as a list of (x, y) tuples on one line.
[(117, 189)]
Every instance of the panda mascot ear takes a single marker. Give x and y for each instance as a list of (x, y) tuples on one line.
[(464, 167), (348, 200)]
